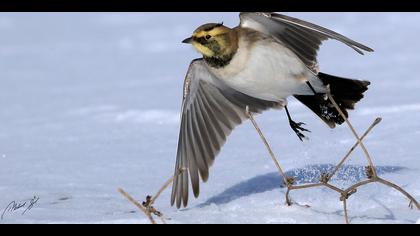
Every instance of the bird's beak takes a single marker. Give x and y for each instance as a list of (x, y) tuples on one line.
[(188, 40)]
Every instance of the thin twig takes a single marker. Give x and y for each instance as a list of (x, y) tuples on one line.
[(296, 187), (353, 131), (288, 201), (372, 174), (166, 185), (162, 218), (267, 145), (147, 206), (346, 215), (387, 183), (375, 123), (325, 178), (392, 185), (148, 209), (136, 203), (357, 185), (333, 188)]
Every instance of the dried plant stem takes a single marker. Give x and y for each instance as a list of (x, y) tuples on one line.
[(357, 185), (346, 215), (162, 219), (288, 200), (166, 185), (325, 178), (392, 185), (330, 97), (384, 182), (328, 178), (148, 209), (138, 205), (147, 206), (375, 123), (332, 187), (296, 187), (267, 145), (372, 174)]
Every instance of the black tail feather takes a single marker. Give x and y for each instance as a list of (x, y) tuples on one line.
[(346, 92)]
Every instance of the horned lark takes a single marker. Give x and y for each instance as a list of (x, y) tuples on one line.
[(260, 63)]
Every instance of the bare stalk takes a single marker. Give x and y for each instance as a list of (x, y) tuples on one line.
[(357, 185), (346, 215), (375, 123), (147, 206), (354, 132), (392, 185), (288, 201), (166, 185), (138, 205), (371, 173), (296, 187), (325, 178), (333, 188), (267, 145), (162, 219)]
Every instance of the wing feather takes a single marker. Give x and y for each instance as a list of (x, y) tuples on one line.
[(302, 37), (210, 111)]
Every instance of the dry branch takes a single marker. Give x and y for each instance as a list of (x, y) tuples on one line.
[(325, 178), (371, 174), (267, 145), (138, 205), (147, 206), (330, 97)]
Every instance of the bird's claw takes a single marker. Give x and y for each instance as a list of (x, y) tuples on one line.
[(298, 129)]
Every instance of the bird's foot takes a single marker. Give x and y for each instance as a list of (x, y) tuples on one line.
[(298, 129)]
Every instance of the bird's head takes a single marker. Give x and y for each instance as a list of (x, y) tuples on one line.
[(213, 40)]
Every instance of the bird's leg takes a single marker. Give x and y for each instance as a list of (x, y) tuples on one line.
[(297, 127)]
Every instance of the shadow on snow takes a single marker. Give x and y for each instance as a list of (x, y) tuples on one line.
[(309, 174)]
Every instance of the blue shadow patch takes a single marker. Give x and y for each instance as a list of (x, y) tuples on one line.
[(309, 174)]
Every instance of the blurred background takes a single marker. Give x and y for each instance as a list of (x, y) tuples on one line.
[(90, 102)]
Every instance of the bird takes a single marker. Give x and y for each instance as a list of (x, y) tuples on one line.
[(258, 65)]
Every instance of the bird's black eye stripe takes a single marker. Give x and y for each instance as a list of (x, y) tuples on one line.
[(200, 40), (208, 37)]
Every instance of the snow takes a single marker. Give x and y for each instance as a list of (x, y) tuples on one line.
[(90, 102)]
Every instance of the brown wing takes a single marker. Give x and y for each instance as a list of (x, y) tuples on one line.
[(210, 111)]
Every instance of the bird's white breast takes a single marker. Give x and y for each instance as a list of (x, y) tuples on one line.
[(266, 70)]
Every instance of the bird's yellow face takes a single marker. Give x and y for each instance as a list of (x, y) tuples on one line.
[(213, 40)]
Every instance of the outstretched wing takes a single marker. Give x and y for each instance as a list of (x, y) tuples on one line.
[(210, 111), (303, 38)]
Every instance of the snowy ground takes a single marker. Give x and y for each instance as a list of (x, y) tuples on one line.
[(90, 103)]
